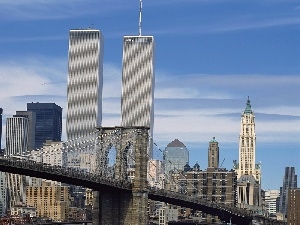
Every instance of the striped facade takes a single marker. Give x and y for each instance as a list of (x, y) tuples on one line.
[(16, 135), (16, 144), (137, 103), (85, 81)]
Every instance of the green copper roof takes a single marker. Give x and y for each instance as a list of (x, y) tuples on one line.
[(213, 140), (248, 107)]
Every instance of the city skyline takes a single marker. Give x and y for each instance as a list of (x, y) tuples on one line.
[(209, 59)]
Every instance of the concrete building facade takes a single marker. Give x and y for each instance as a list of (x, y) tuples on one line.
[(270, 199), (16, 145), (214, 184), (3, 193), (31, 116), (16, 135), (50, 201), (1, 112), (213, 154), (247, 144), (248, 172), (293, 206)]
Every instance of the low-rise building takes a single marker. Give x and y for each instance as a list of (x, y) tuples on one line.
[(213, 184), (50, 201), (293, 207)]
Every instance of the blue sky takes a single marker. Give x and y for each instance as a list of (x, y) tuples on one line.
[(210, 56)]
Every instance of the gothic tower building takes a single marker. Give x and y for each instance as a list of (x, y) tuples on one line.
[(248, 172), (213, 153), (247, 142)]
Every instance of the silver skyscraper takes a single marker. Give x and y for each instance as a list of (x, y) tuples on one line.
[(85, 82), (137, 104)]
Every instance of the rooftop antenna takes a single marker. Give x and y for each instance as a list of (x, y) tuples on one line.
[(140, 21)]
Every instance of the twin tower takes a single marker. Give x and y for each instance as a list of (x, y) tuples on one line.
[(85, 82)]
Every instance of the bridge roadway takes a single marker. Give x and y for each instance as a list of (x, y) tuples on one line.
[(105, 185)]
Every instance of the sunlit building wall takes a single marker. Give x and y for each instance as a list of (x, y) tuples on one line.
[(16, 145), (248, 172), (213, 153), (85, 81), (269, 199), (137, 102), (50, 201)]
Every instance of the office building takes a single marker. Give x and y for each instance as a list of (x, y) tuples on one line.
[(247, 143), (51, 202), (3, 194), (293, 207), (48, 124), (1, 112), (213, 184), (16, 145), (167, 213), (30, 115), (248, 172), (53, 153), (176, 156), (213, 154), (16, 135), (289, 182), (137, 102), (85, 81), (270, 199), (155, 169)]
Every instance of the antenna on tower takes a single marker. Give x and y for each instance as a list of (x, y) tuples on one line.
[(140, 21)]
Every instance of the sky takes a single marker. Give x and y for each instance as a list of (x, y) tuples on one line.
[(210, 55)]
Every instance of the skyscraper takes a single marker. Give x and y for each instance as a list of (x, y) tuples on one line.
[(176, 156), (16, 135), (248, 173), (30, 115), (289, 182), (137, 103), (16, 144), (213, 154), (293, 207), (1, 111), (3, 193), (85, 82), (48, 124), (247, 142)]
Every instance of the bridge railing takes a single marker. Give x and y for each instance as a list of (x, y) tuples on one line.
[(63, 171), (200, 201)]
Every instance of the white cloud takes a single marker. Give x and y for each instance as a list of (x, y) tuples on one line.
[(56, 9), (198, 120)]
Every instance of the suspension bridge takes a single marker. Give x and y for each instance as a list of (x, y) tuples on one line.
[(119, 197)]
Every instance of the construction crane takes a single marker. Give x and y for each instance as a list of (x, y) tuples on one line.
[(222, 163)]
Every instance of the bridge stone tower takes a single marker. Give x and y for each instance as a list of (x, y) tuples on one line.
[(122, 208)]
